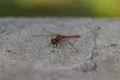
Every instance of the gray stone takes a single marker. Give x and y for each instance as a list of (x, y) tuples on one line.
[(26, 54)]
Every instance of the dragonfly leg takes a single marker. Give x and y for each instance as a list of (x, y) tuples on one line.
[(60, 45), (63, 40), (73, 46), (50, 45), (54, 46)]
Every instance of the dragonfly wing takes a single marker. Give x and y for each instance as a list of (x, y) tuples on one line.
[(43, 35), (72, 45), (40, 32), (49, 32)]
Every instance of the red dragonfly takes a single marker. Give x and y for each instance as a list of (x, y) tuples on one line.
[(59, 38)]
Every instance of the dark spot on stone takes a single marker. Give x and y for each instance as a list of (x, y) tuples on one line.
[(34, 36), (2, 66), (113, 44), (9, 50), (94, 54), (98, 28)]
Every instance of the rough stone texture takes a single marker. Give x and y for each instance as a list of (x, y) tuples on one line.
[(26, 54)]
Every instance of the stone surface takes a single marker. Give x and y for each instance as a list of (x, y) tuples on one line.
[(26, 54)]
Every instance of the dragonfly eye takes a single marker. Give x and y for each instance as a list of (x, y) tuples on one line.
[(53, 41)]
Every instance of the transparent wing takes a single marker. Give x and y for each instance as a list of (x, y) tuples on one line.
[(69, 47), (48, 31), (45, 33)]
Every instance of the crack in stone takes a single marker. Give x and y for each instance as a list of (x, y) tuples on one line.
[(94, 50), (94, 28)]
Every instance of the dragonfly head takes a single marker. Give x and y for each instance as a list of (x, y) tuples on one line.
[(53, 41)]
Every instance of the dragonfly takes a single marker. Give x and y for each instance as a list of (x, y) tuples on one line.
[(58, 38)]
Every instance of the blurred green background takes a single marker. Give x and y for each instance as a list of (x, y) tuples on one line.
[(84, 8)]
